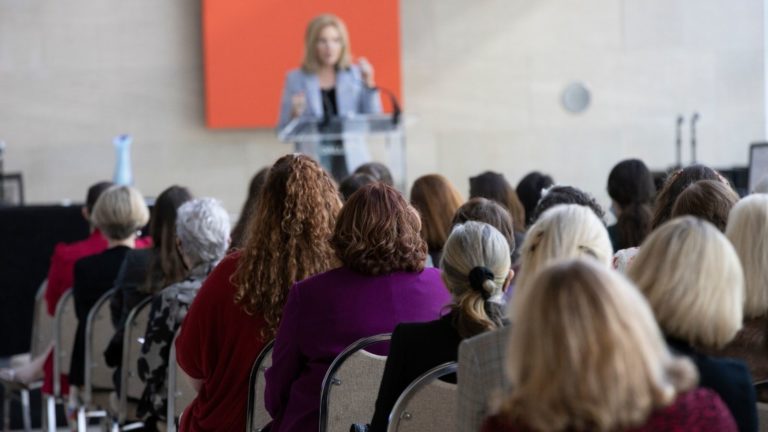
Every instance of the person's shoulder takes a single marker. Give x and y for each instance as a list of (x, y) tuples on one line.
[(697, 409), (495, 339), (325, 278), (296, 75), (733, 368), (420, 330)]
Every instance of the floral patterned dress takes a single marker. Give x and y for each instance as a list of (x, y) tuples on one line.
[(169, 307)]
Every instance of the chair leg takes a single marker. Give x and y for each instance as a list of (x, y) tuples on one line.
[(25, 411), (50, 413), (82, 423), (6, 409)]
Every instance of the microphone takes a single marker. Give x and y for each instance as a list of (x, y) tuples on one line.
[(679, 140), (396, 111), (694, 120)]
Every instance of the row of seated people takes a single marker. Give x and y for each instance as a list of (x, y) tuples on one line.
[(316, 274)]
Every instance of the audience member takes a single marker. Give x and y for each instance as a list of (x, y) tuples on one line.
[(249, 207), (585, 354), (566, 195), (529, 191), (119, 213), (563, 232), (377, 170), (748, 232), (352, 183), (202, 237), (710, 200), (494, 186), (674, 185), (239, 307), (436, 200), (60, 277), (631, 188), (476, 269), (492, 213), (694, 282), (381, 283), (146, 271)]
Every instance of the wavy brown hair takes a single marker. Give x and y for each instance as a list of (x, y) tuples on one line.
[(378, 232), (288, 237), (437, 200)]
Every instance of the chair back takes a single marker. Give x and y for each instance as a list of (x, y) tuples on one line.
[(64, 328), (133, 339), (42, 324), (351, 385), (257, 416), (180, 390), (427, 404), (98, 332)]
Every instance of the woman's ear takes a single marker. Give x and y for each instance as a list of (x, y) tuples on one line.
[(508, 281)]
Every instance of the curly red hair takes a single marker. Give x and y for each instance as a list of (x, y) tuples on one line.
[(378, 232), (288, 237)]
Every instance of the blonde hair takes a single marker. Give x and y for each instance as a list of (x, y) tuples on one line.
[(311, 63), (562, 232), (587, 354), (747, 230), (472, 246), (693, 280), (119, 212)]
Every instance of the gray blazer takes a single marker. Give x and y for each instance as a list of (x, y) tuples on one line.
[(352, 95), (480, 377)]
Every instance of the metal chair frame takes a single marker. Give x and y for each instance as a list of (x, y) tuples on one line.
[(24, 390), (125, 371), (399, 409), (252, 381), (83, 411), (60, 355), (330, 376)]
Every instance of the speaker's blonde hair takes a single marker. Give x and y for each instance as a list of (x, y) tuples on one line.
[(562, 232), (693, 280), (587, 354), (311, 62), (747, 230), (470, 245)]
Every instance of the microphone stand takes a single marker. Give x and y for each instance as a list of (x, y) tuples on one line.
[(396, 111), (694, 120), (679, 141)]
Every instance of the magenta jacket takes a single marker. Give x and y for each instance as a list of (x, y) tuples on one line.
[(326, 313)]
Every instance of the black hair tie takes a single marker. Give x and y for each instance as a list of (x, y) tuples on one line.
[(477, 278)]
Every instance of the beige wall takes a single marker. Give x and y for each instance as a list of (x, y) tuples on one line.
[(482, 83)]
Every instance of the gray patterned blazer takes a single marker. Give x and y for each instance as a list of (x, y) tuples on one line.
[(480, 375)]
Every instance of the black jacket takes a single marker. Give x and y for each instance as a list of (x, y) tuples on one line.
[(94, 275), (729, 378), (415, 348)]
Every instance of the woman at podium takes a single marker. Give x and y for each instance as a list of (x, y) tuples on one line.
[(328, 85)]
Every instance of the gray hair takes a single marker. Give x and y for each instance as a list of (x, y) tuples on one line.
[(202, 227)]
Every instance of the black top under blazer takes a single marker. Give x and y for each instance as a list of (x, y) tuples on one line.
[(415, 348), (94, 275), (729, 378)]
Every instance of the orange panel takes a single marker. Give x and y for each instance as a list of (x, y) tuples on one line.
[(249, 45)]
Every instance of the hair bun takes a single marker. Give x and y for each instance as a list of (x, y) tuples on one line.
[(477, 278)]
